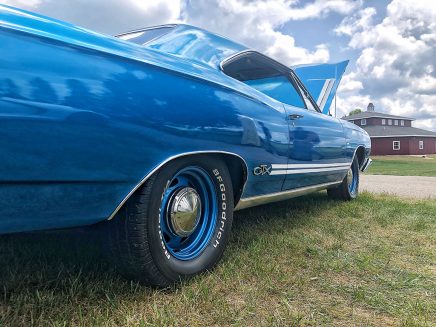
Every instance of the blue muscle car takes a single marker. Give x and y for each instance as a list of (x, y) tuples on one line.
[(161, 134)]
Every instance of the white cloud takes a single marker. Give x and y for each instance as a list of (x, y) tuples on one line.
[(350, 84), (346, 103), (321, 7), (397, 59), (256, 23), (395, 67), (107, 16), (22, 3), (351, 25)]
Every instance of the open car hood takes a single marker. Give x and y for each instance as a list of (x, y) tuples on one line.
[(322, 81)]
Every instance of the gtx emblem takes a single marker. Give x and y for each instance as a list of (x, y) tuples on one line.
[(262, 170)]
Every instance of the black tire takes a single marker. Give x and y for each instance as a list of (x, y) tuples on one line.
[(135, 235), (343, 192)]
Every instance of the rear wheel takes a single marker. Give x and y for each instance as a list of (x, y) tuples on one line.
[(349, 188), (177, 225)]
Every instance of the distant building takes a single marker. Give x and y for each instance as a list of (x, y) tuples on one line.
[(392, 135)]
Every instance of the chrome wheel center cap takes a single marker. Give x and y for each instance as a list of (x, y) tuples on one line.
[(185, 211)]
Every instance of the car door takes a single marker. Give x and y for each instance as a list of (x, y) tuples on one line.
[(317, 152), (266, 144), (316, 149)]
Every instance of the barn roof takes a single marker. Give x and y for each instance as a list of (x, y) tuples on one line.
[(370, 114), (395, 131)]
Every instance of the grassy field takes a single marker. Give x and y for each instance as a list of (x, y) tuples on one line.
[(403, 166), (308, 261)]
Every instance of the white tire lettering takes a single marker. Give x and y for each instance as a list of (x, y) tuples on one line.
[(166, 253), (223, 217)]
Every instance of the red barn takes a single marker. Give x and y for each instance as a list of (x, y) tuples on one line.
[(392, 135)]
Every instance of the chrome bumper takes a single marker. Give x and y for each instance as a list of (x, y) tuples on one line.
[(366, 165)]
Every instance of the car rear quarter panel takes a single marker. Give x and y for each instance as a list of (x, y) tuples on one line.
[(81, 127)]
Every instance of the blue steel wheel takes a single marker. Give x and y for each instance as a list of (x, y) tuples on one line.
[(177, 224), (188, 213), (349, 188)]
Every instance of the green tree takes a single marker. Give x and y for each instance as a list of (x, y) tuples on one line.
[(355, 111)]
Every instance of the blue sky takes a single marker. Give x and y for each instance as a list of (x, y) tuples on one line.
[(313, 31), (391, 43)]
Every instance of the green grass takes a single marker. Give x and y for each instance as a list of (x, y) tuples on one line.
[(309, 261), (403, 166)]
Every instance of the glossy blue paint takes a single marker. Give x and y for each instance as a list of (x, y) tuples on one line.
[(190, 247), (196, 45), (315, 138), (85, 117)]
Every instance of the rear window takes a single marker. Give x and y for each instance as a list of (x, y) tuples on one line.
[(143, 37)]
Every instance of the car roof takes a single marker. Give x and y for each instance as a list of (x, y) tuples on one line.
[(194, 43)]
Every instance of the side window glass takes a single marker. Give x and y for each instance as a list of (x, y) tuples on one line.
[(265, 75), (279, 88)]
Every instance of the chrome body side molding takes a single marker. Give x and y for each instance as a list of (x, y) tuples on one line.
[(281, 196)]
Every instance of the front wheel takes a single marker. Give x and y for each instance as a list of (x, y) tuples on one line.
[(177, 225), (349, 188)]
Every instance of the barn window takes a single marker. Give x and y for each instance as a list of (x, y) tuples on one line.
[(389, 121), (396, 145), (402, 122), (421, 145), (363, 122), (396, 122), (383, 121)]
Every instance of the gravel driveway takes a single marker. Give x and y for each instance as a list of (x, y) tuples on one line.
[(405, 186)]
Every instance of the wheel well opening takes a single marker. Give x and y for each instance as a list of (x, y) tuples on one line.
[(360, 154), (238, 173), (235, 164)]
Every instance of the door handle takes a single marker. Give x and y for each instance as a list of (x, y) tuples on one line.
[(295, 116)]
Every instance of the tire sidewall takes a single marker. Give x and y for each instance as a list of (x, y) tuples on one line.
[(171, 267)]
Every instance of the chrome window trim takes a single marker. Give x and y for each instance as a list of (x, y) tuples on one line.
[(146, 29), (281, 196), (144, 179), (247, 51), (302, 87)]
